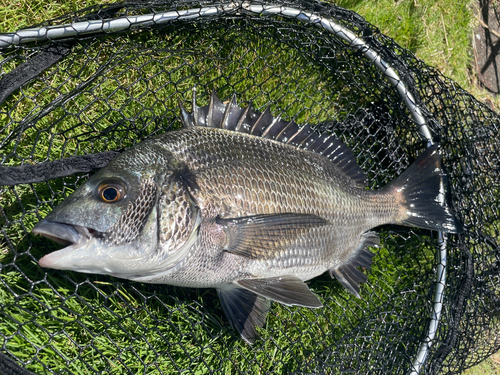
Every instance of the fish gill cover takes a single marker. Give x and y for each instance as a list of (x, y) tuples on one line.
[(71, 104)]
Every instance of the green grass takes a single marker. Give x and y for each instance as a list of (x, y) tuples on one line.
[(58, 316), (15, 15), (438, 32), (489, 366)]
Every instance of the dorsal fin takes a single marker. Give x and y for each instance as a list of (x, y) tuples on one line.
[(287, 132), (245, 120), (216, 111), (301, 134), (186, 117), (243, 125), (264, 119)]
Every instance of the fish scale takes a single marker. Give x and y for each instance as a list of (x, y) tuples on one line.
[(246, 203)]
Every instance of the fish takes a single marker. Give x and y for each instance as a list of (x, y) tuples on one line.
[(243, 202)]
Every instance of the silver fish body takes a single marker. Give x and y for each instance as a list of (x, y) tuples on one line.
[(243, 176), (242, 202)]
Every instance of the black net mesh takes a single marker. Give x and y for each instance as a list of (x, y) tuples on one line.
[(106, 91)]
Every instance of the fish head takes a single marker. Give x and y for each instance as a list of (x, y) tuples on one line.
[(110, 224)]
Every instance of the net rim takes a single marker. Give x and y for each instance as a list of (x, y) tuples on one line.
[(80, 28)]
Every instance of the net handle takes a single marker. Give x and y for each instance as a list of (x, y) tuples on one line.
[(338, 31)]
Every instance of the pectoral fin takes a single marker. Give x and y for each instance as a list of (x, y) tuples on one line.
[(288, 290), (266, 236), (244, 310)]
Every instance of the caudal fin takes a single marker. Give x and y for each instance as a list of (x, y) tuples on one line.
[(423, 186)]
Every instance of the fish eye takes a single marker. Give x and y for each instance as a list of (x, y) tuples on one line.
[(111, 192)]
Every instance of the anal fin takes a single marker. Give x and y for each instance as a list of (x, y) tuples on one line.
[(348, 274), (244, 310), (288, 290)]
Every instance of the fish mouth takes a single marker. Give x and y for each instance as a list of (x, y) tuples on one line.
[(72, 236)]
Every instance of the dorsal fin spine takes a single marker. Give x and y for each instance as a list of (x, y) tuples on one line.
[(318, 145), (259, 126), (219, 115), (331, 150), (270, 126), (290, 129), (195, 108), (297, 136), (310, 141), (242, 119), (186, 118), (209, 122), (233, 105), (216, 112)]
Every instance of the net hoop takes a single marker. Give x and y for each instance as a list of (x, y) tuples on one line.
[(45, 33)]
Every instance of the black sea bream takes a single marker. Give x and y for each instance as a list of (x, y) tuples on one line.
[(242, 202)]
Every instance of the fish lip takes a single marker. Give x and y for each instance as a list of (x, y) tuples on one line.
[(65, 234), (73, 236)]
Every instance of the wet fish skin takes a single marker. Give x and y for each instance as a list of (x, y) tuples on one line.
[(242, 202)]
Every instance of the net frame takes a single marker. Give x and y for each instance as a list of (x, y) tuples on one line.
[(337, 31)]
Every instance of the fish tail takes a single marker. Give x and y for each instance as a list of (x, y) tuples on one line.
[(421, 189)]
